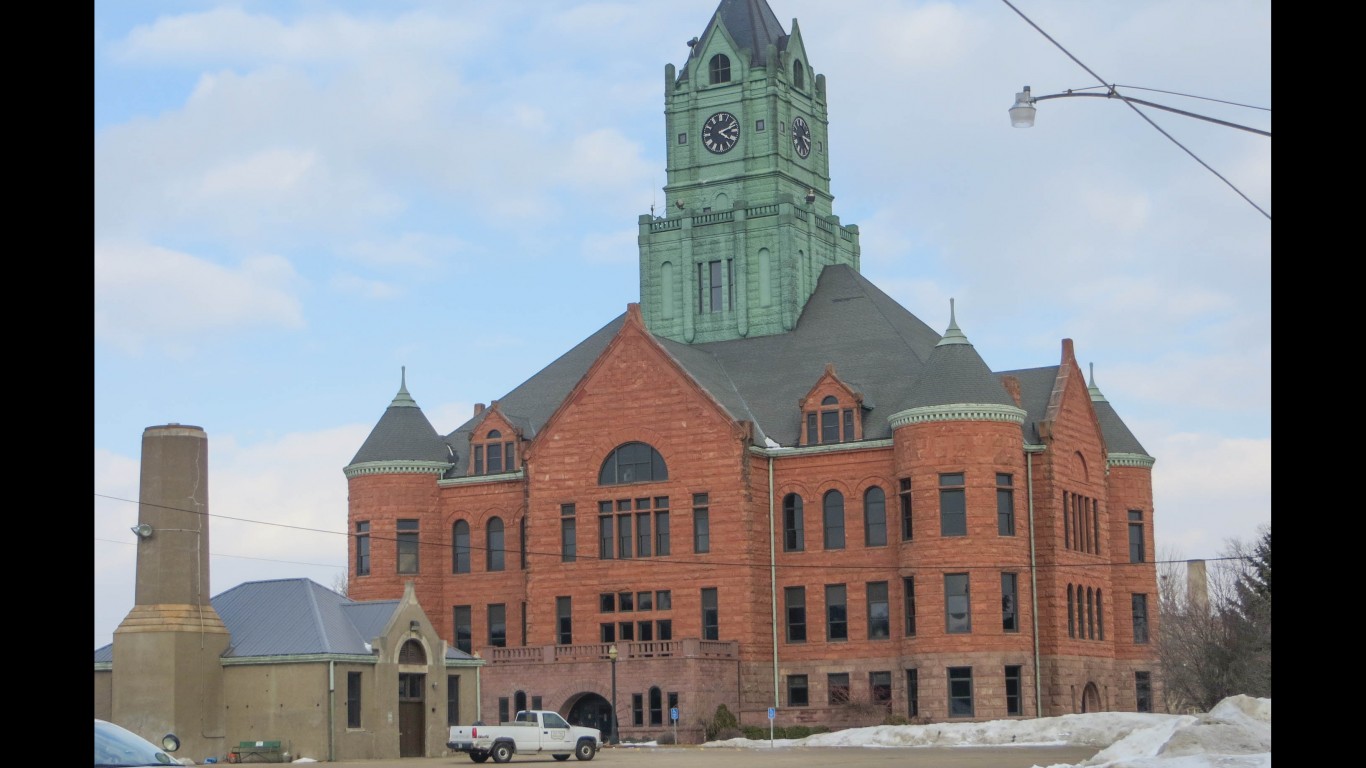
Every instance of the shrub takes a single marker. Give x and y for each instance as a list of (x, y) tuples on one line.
[(665, 738), (723, 721)]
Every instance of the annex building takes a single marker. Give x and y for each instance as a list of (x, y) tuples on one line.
[(767, 484)]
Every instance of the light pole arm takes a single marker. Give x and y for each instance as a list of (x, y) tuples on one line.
[(1130, 99)]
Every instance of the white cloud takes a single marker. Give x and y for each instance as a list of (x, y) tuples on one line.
[(146, 293), (1208, 489)]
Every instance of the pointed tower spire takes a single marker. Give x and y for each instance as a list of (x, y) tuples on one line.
[(953, 335), (403, 399), (1096, 396)]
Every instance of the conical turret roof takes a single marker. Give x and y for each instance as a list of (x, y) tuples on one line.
[(955, 374), (403, 433)]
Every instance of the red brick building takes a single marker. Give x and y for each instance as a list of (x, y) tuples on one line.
[(767, 484)]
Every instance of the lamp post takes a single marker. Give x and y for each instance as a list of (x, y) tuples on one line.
[(1022, 112), (612, 654)]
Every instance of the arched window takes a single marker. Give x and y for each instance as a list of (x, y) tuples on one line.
[(798, 74), (411, 653), (794, 538), (1071, 614), (495, 545), (519, 701), (656, 707), (460, 547), (720, 69), (834, 520), (633, 463), (875, 517)]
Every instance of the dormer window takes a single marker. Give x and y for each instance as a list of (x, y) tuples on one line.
[(720, 69), (830, 423), (494, 456)]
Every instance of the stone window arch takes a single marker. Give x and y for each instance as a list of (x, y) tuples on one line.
[(633, 463)]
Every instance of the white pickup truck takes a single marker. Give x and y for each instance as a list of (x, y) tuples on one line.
[(533, 732)]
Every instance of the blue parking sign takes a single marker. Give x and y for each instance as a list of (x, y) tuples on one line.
[(772, 713), (673, 714)]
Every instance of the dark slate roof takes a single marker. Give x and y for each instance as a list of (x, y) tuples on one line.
[(403, 434), (753, 26), (1118, 438), (1036, 389), (955, 373), (296, 617)]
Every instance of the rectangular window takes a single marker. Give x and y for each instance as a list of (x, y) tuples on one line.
[(836, 613), (907, 530), (624, 536), (664, 600), (607, 632), (478, 459), (536, 703), (1014, 700), (564, 621), (701, 524), (830, 426), (1005, 504), (794, 538), (407, 546), (637, 709), (957, 604), (682, 138), (645, 601), (794, 601), (626, 601), (716, 286), (913, 693), (664, 629), (645, 631), (953, 509), (874, 518), (1140, 603), (960, 692), (812, 436), (644, 537), (453, 700), (730, 283), (848, 425), (498, 628), (797, 693), (353, 709), (464, 628), (880, 687), (1095, 526), (1143, 691), (363, 549), (607, 602), (1066, 522), (879, 615), (711, 615), (605, 538), (508, 455), (838, 685), (503, 714), (495, 456), (1136, 553), (626, 631), (908, 596), (1010, 603), (569, 529), (661, 529)]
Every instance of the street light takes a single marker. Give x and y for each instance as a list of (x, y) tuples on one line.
[(612, 654), (1022, 112)]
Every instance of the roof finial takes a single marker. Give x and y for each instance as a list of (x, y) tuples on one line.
[(1091, 388), (953, 335), (403, 399)]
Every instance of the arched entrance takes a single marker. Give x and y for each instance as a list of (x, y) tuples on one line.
[(591, 710), (1090, 698)]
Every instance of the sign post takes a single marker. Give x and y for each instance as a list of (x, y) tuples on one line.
[(673, 715), (772, 713)]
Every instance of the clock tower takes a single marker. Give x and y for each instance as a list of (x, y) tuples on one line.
[(748, 224)]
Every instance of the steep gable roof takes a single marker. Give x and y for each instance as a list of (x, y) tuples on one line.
[(751, 24)]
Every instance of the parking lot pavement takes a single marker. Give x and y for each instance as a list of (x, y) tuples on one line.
[(780, 757)]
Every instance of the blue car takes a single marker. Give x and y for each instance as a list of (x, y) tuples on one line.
[(117, 747)]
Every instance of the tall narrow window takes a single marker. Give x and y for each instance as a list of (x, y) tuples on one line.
[(637, 709), (830, 420), (564, 620), (794, 539), (624, 531), (494, 553), (644, 536), (1014, 699), (960, 692), (1095, 525), (1066, 522), (908, 592), (953, 509), (656, 706), (957, 604), (407, 546), (701, 523), (834, 520), (363, 549), (503, 714), (1143, 691), (879, 615), (798, 74), (880, 689), (1140, 609), (1100, 616), (838, 685), (662, 526), (460, 547), (794, 600), (874, 517), (1071, 613), (907, 530), (498, 626), (606, 547), (353, 708), (495, 452), (1136, 553), (569, 532), (1005, 504), (797, 693), (453, 700), (1090, 614), (464, 628), (716, 286), (913, 693), (711, 615), (1010, 603), (836, 613)]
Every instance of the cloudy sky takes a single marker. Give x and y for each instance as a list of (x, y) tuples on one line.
[(295, 199)]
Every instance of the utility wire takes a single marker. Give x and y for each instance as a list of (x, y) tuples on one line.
[(1136, 110)]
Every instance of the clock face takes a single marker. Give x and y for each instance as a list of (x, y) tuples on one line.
[(720, 132), (801, 136)]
